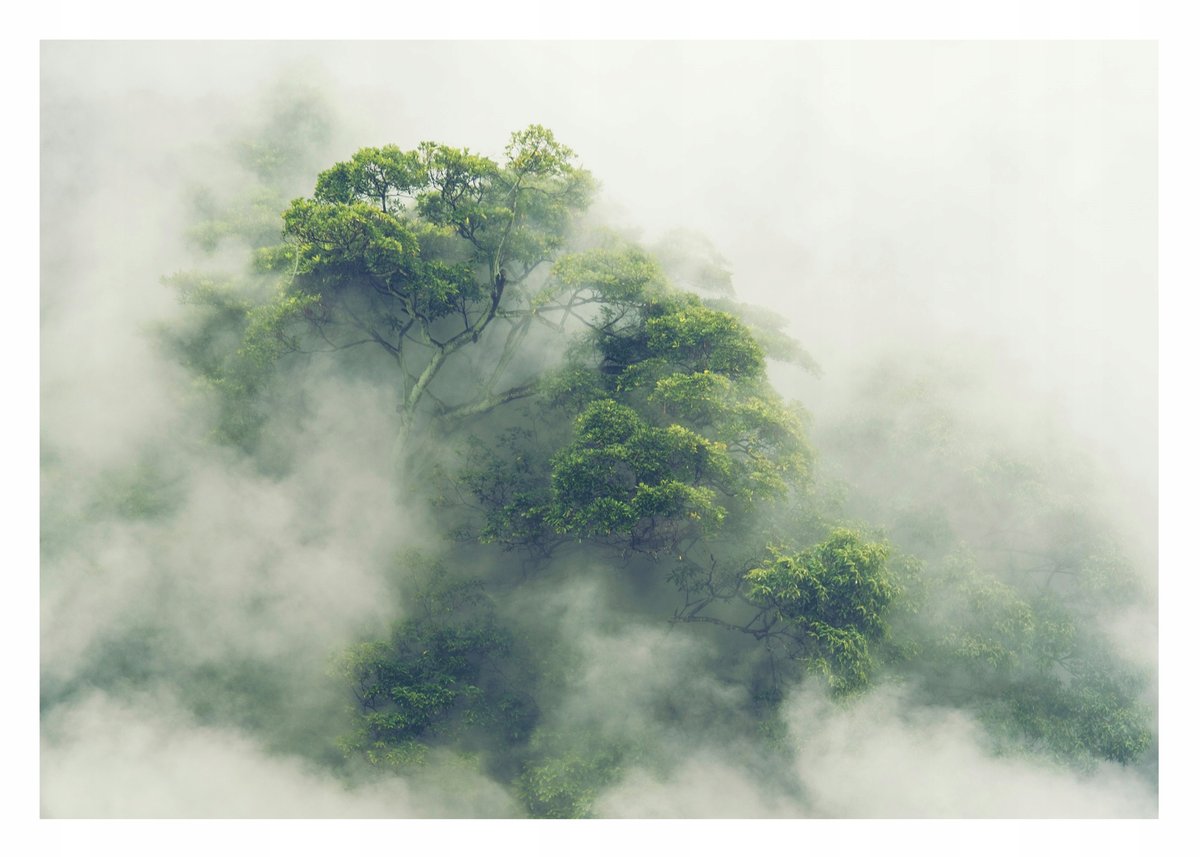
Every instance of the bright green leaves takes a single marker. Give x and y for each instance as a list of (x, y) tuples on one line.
[(419, 251), (534, 152), (699, 368), (622, 475), (683, 363), (348, 248), (460, 191), (691, 335), (764, 438), (443, 186), (383, 176), (677, 428), (352, 238), (677, 332), (612, 274), (831, 599), (515, 213), (543, 190), (605, 423), (842, 581)]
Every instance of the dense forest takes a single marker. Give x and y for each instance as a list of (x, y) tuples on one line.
[(555, 545)]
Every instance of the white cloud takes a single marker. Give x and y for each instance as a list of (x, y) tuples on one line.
[(144, 757), (882, 756)]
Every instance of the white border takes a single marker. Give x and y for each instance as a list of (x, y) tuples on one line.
[(1020, 19)]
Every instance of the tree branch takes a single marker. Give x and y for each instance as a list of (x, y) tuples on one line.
[(489, 403)]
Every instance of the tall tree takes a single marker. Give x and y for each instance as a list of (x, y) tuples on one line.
[(420, 253), (654, 444)]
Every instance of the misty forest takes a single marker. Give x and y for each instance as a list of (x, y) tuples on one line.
[(450, 489)]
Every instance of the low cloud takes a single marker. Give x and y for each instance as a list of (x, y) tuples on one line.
[(884, 756), (147, 757)]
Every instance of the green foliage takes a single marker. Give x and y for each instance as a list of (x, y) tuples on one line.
[(507, 478), (622, 475), (435, 677), (418, 252), (414, 253), (614, 274), (657, 437), (768, 328), (764, 439), (832, 601), (1020, 573), (381, 176), (676, 427), (567, 775), (1029, 665), (1092, 715), (692, 336)]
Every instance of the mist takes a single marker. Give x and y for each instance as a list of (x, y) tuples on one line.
[(961, 235)]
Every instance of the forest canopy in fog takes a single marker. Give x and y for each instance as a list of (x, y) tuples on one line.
[(416, 477)]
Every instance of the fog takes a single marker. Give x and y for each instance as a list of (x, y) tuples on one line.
[(977, 217)]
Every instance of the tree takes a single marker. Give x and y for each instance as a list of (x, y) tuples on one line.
[(1020, 574), (226, 340), (435, 679), (676, 426), (828, 603), (419, 253), (657, 451)]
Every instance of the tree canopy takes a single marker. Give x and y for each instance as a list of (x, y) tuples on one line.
[(579, 400), (419, 252)]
